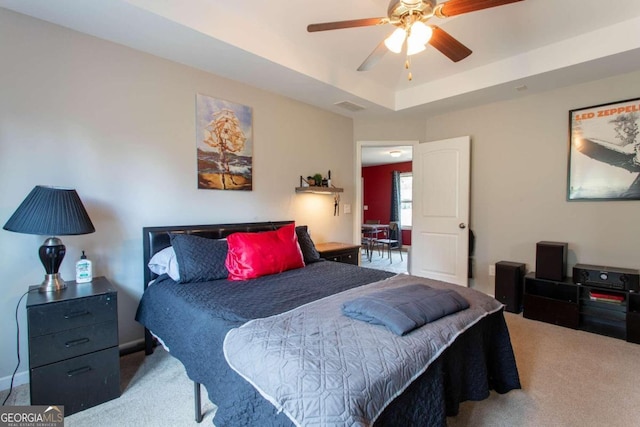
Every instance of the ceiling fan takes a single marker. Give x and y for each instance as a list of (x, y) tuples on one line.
[(410, 17)]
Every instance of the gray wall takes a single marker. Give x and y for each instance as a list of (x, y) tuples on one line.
[(119, 127)]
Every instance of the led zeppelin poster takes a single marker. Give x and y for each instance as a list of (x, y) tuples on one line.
[(604, 152)]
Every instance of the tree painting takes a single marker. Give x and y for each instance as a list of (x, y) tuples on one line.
[(225, 144)]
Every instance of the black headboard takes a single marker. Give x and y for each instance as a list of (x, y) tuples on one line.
[(154, 239)]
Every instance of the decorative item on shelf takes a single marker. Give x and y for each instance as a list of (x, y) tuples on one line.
[(51, 211), (318, 185)]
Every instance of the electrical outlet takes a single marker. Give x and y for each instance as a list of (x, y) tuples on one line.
[(492, 270)]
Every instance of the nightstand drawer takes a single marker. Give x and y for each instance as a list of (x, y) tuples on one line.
[(346, 253), (49, 318), (78, 383), (346, 258), (62, 345)]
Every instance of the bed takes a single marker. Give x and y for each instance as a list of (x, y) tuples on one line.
[(198, 321)]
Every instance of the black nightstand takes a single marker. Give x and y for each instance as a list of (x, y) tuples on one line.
[(340, 252), (73, 345)]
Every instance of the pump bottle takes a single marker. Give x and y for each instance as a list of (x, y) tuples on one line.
[(84, 271)]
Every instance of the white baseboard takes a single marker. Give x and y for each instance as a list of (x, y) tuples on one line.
[(20, 378)]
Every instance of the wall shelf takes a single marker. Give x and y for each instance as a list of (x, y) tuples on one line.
[(319, 190)]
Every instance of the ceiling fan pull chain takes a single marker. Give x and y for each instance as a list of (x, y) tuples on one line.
[(407, 64)]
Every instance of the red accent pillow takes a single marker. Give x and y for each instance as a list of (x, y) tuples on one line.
[(253, 255)]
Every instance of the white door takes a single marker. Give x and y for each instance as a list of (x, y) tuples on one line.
[(440, 232)]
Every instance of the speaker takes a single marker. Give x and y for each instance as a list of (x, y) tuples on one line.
[(551, 260), (509, 284)]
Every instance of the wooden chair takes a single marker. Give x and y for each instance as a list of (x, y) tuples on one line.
[(390, 243)]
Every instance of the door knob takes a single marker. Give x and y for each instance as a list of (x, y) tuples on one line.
[(461, 225)]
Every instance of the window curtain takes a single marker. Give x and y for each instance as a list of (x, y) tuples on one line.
[(395, 207)]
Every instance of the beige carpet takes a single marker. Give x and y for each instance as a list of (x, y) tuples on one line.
[(156, 392), (380, 261), (569, 378)]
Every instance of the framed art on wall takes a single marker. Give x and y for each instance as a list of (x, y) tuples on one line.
[(224, 141), (604, 152)]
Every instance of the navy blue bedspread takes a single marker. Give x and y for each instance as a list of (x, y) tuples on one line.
[(193, 319)]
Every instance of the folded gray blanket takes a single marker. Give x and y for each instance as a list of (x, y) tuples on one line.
[(406, 308)]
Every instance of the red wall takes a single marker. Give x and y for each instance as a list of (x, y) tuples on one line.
[(376, 191)]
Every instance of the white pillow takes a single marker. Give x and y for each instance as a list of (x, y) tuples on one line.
[(165, 262)]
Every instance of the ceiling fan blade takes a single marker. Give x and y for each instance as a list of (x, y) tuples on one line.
[(448, 45), (373, 57), (458, 7), (367, 22)]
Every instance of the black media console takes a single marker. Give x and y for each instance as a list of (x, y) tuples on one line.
[(595, 308)]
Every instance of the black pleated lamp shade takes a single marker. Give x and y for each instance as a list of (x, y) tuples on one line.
[(51, 211)]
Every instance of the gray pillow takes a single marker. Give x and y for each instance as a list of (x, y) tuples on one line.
[(406, 308), (309, 251), (199, 259)]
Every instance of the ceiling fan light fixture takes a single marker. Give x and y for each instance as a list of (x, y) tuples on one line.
[(419, 36), (395, 41), (413, 48)]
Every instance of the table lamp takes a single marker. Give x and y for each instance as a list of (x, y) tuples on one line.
[(51, 211)]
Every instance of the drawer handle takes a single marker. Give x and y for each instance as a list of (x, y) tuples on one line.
[(76, 314), (79, 371), (76, 342)]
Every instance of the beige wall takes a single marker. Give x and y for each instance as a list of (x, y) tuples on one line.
[(118, 126), (519, 176), (389, 129)]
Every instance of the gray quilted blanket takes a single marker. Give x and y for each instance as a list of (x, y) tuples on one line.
[(322, 368)]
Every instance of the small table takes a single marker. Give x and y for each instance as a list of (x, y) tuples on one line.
[(369, 234), (347, 253)]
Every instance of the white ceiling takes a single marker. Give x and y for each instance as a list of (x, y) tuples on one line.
[(381, 155), (537, 44)]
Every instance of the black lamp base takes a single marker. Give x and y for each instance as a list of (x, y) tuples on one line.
[(51, 254)]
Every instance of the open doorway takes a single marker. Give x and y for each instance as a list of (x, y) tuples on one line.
[(375, 162)]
